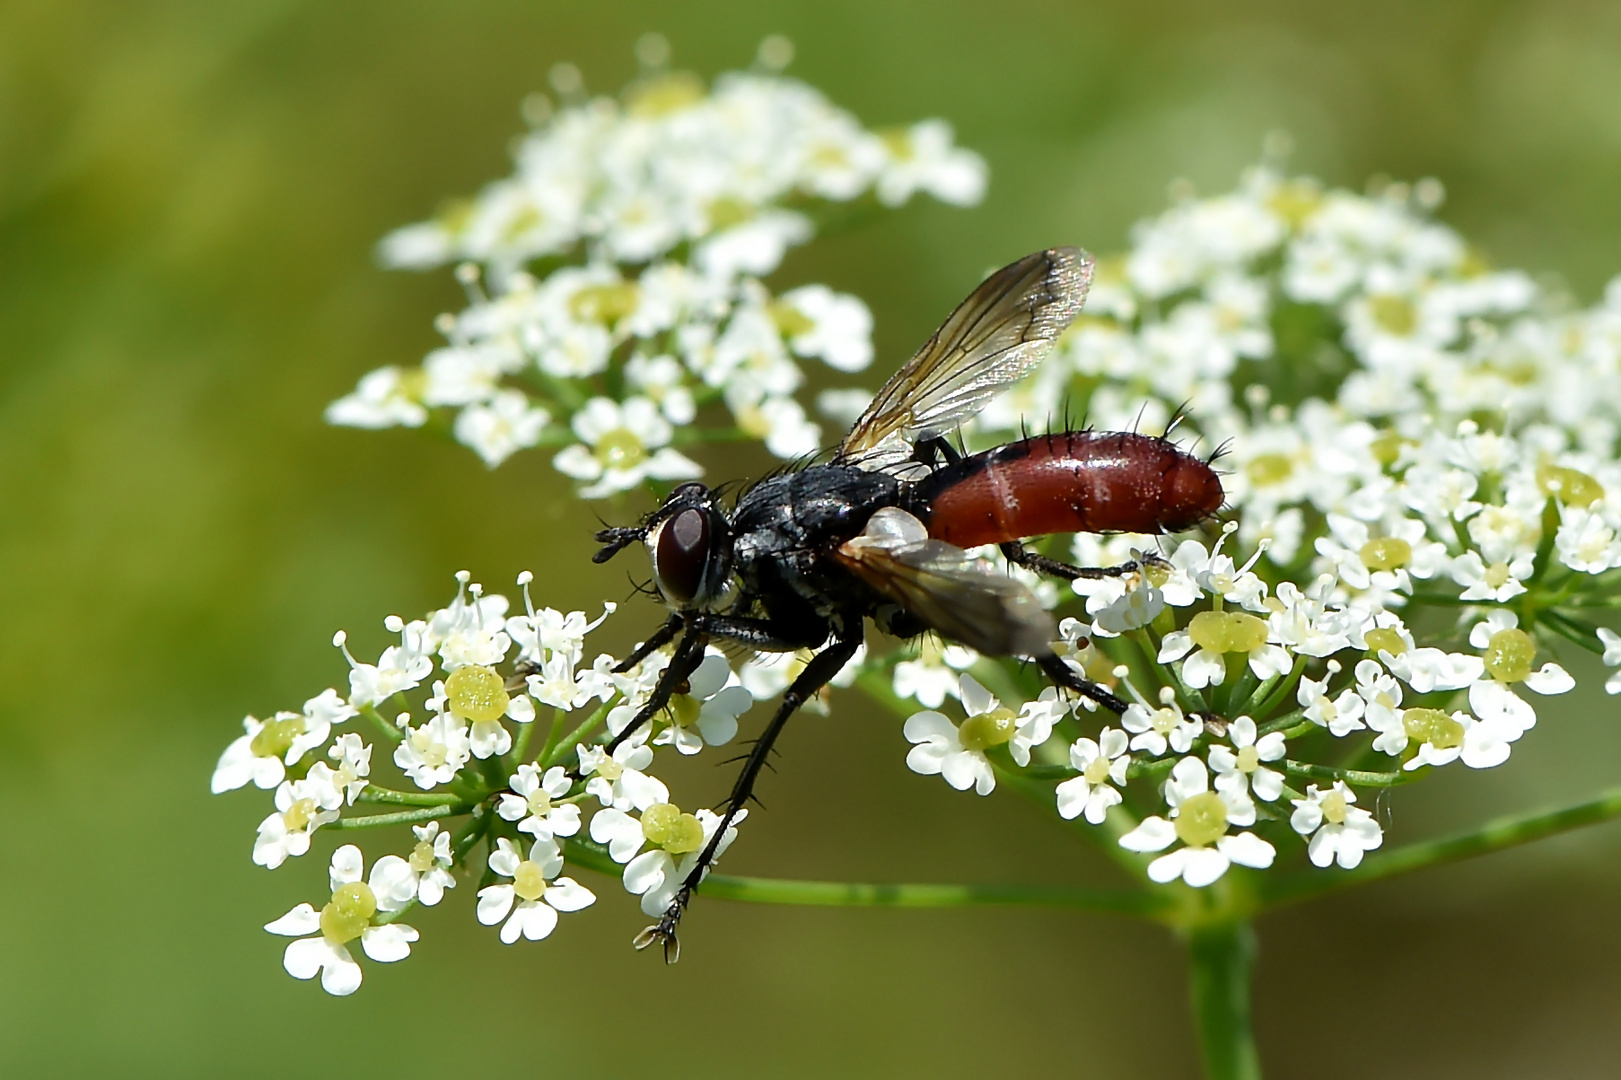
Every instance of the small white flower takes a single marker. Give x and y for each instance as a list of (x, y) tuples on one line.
[(1102, 765), (400, 668), (957, 753), (620, 780), (834, 326), (535, 895), (423, 876), (384, 398), (1339, 831), (433, 753), (354, 765), (1199, 819), (707, 713), (1612, 656), (1499, 583), (530, 802), (657, 875), (352, 913), (620, 446), (302, 806), (506, 424), (1239, 768), (923, 158), (934, 674), (1340, 715), (1157, 730)]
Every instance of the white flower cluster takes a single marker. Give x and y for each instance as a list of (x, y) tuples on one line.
[(483, 677), (1421, 453), (615, 278)]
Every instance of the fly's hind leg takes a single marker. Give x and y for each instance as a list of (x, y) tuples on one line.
[(1017, 553), (1063, 675), (817, 674)]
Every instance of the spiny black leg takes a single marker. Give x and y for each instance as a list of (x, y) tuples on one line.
[(1064, 675), (658, 640), (688, 655), (1016, 552), (817, 674)]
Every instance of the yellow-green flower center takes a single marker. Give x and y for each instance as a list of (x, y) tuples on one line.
[(1386, 553), (1394, 314), (605, 304), (1386, 447), (1249, 759), (529, 881), (1098, 771), (1432, 726), (1264, 470), (476, 693), (1387, 640), (1509, 654), (349, 912), (684, 710), (609, 769), (667, 827), (1334, 808), (276, 736), (660, 95), (421, 859), (1570, 486), (985, 730), (432, 752), (727, 211), (1201, 820), (1227, 631), (298, 816), (791, 322), (620, 449)]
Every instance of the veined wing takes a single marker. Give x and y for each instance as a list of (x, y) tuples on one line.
[(994, 338), (956, 594)]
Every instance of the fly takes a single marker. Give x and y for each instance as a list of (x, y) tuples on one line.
[(878, 532)]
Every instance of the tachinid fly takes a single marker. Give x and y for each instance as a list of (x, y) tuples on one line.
[(879, 530)]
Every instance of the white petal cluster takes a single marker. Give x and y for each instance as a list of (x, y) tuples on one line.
[(627, 250)]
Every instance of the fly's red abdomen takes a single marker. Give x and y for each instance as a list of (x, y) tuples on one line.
[(1077, 481)]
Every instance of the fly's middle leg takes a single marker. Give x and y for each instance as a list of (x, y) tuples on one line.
[(1070, 679), (1017, 553), (817, 674)]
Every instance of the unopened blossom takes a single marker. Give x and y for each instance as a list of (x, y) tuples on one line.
[(1102, 764), (302, 806), (351, 913), (1339, 831), (1240, 767), (1199, 819), (957, 752), (707, 713), (531, 802), (529, 903)]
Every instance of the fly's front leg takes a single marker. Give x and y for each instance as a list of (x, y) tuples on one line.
[(1016, 552), (1063, 675), (658, 640), (688, 655), (817, 674)]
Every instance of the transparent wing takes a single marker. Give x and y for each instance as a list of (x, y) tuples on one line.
[(956, 594), (994, 338)]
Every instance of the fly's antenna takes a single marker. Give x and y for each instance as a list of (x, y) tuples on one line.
[(615, 540)]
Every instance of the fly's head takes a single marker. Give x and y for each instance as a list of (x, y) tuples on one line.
[(690, 543)]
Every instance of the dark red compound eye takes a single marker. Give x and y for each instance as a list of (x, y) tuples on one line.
[(682, 555)]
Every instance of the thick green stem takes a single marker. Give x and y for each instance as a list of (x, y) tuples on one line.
[(860, 894), (375, 794), (404, 817), (1220, 958)]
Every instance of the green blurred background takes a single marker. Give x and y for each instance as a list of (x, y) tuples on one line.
[(189, 196)]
